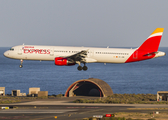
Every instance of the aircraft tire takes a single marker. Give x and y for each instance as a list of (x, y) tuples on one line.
[(85, 68), (79, 68), (20, 66)]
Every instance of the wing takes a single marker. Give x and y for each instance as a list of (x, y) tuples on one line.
[(80, 56)]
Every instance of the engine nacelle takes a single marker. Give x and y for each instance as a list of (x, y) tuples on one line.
[(63, 61)]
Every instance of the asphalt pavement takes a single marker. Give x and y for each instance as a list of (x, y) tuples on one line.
[(64, 109)]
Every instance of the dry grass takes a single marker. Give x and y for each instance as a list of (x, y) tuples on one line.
[(11, 99), (125, 99)]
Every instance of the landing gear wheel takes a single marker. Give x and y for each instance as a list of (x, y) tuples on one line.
[(21, 62), (85, 68), (20, 66), (79, 68)]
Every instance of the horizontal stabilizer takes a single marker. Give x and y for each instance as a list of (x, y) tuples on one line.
[(150, 54)]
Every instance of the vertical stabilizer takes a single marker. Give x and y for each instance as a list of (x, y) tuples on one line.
[(149, 48), (152, 42)]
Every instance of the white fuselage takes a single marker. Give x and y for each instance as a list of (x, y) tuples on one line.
[(49, 53)]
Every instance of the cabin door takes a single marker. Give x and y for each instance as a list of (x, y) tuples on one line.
[(135, 55), (90, 53), (20, 50), (51, 51)]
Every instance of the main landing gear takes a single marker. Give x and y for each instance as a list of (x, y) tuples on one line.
[(21, 62), (82, 68)]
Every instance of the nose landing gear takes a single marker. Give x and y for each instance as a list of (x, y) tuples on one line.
[(21, 62)]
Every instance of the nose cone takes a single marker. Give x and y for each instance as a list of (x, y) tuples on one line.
[(6, 54)]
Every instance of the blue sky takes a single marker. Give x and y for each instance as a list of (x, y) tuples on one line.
[(97, 23)]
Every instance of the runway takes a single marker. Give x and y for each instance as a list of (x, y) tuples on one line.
[(61, 110)]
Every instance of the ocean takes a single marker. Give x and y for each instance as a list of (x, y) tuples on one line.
[(147, 76)]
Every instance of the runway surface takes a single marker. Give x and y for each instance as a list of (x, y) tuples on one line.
[(65, 110)]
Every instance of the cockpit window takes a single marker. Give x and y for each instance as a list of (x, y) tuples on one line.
[(12, 49)]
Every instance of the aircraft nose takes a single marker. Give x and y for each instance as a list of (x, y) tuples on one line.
[(6, 54)]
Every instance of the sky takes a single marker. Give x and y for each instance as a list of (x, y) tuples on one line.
[(91, 23)]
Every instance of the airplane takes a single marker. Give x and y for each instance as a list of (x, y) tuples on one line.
[(68, 56)]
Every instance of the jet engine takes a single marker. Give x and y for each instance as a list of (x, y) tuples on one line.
[(63, 61)]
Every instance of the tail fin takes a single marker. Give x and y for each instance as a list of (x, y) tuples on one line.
[(152, 42), (149, 48)]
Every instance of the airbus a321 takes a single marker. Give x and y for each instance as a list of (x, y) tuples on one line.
[(67, 56)]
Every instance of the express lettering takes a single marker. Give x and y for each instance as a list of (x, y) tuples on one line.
[(37, 51)]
